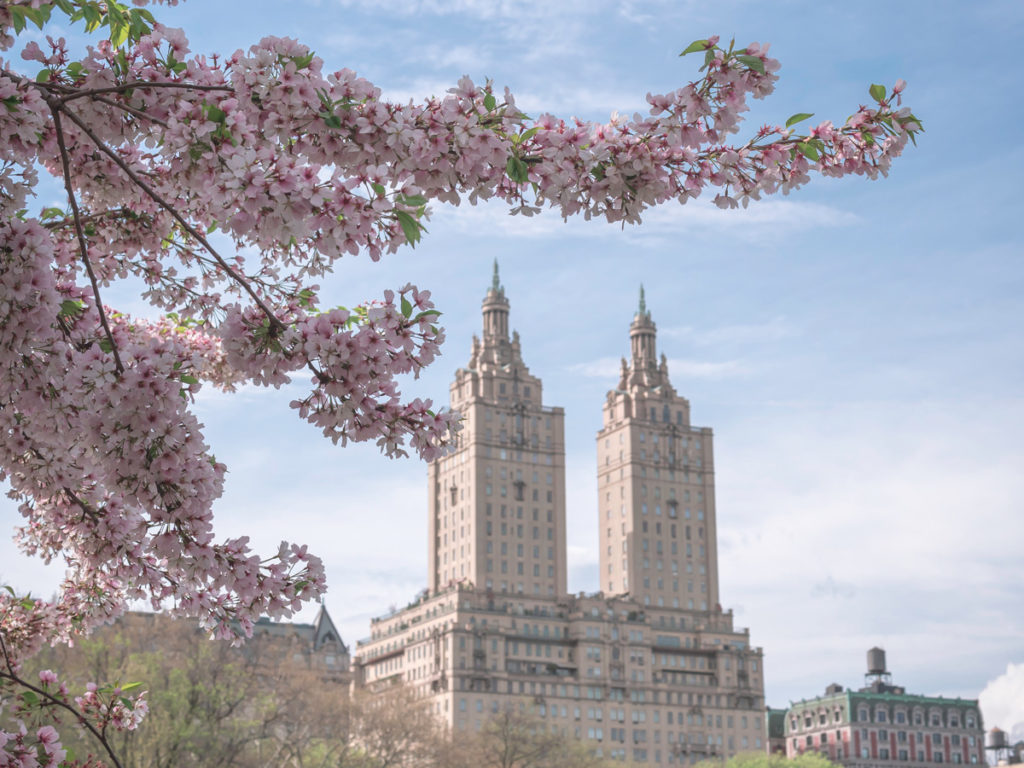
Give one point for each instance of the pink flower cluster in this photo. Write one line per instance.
(35, 742)
(170, 162)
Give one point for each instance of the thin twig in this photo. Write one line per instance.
(132, 110)
(60, 223)
(10, 675)
(142, 84)
(275, 322)
(65, 162)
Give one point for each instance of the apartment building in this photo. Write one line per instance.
(649, 668)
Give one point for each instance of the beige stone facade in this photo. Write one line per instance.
(497, 503)
(650, 668)
(656, 486)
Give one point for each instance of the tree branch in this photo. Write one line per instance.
(133, 111)
(142, 84)
(65, 163)
(155, 196)
(13, 677)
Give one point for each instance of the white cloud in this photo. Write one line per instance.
(610, 367)
(775, 329)
(865, 524)
(768, 220)
(1002, 701)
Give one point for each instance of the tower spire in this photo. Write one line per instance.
(642, 337)
(496, 285)
(495, 311)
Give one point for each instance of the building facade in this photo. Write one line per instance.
(650, 668)
(497, 502)
(882, 726)
(656, 486)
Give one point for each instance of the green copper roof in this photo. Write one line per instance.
(854, 697)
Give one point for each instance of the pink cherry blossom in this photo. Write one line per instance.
(300, 167)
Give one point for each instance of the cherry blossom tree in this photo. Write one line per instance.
(229, 185)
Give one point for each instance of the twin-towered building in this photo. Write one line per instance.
(649, 668)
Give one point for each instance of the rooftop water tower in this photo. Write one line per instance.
(877, 678)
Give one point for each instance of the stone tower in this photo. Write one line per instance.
(656, 486)
(497, 503)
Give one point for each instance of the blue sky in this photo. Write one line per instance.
(856, 346)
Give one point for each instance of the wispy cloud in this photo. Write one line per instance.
(610, 367)
(776, 329)
(830, 588)
(763, 221)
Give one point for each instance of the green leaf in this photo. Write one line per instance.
(490, 102)
(516, 170)
(39, 16)
(105, 345)
(130, 686)
(406, 307)
(426, 313)
(127, 702)
(43, 76)
(187, 379)
(868, 138)
(696, 45)
(51, 213)
(331, 120)
(877, 92)
(213, 113)
(301, 62)
(12, 102)
(527, 135)
(378, 188)
(413, 200)
(212, 227)
(798, 117)
(10, 589)
(30, 698)
(71, 308)
(118, 33)
(410, 227)
(17, 17)
(93, 17)
(75, 69)
(808, 151)
(753, 62)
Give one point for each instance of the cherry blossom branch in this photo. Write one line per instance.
(132, 110)
(158, 199)
(11, 675)
(80, 233)
(60, 223)
(142, 84)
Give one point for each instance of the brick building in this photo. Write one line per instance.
(882, 726)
